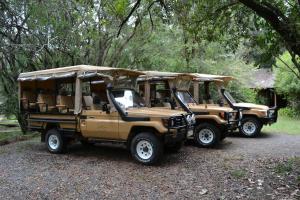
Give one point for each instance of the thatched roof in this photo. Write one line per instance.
(261, 79)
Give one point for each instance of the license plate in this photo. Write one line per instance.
(190, 133)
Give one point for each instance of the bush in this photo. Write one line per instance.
(289, 112)
(241, 93)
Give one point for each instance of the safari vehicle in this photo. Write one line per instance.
(254, 116)
(171, 90)
(94, 105)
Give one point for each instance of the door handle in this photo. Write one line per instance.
(91, 117)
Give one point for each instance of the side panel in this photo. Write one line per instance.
(98, 124)
(40, 121)
(125, 127)
(212, 117)
(257, 113)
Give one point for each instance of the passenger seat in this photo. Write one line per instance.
(65, 104)
(28, 100)
(87, 102)
(46, 102)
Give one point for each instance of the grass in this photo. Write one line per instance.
(239, 173)
(4, 136)
(10, 132)
(284, 125)
(283, 168)
(288, 166)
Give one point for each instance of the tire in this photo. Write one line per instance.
(207, 135)
(55, 142)
(223, 136)
(174, 148)
(250, 127)
(146, 148)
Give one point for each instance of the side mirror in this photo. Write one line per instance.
(106, 108)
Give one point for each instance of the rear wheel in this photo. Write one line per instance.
(55, 142)
(250, 127)
(146, 148)
(207, 135)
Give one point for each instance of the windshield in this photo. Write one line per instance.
(127, 98)
(229, 97)
(185, 97)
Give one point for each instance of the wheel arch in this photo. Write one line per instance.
(210, 121)
(252, 115)
(138, 129)
(48, 127)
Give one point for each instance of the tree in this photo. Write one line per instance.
(44, 34)
(267, 24)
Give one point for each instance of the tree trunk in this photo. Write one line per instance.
(22, 122)
(278, 21)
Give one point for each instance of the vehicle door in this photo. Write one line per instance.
(96, 122)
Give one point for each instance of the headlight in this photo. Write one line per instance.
(229, 115)
(167, 122)
(271, 113)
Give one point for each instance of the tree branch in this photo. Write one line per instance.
(227, 6)
(136, 5)
(282, 27)
(290, 68)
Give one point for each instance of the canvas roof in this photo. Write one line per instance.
(78, 70)
(213, 77)
(152, 75)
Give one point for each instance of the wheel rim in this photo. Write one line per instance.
(144, 149)
(249, 128)
(206, 136)
(53, 142)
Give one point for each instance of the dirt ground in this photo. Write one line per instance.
(267, 167)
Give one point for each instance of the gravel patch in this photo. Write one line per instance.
(240, 168)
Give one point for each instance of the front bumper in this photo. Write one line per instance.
(178, 131)
(233, 122)
(178, 135)
(272, 115)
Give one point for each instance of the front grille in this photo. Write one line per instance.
(178, 121)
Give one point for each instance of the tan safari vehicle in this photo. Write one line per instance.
(171, 90)
(254, 116)
(95, 105)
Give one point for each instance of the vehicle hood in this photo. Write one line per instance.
(251, 106)
(154, 112)
(209, 108)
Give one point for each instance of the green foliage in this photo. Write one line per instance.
(193, 36)
(285, 125)
(289, 112)
(261, 100)
(286, 166)
(239, 173)
(287, 83)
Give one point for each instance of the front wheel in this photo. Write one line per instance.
(55, 142)
(146, 148)
(250, 127)
(207, 135)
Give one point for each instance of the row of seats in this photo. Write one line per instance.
(60, 103)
